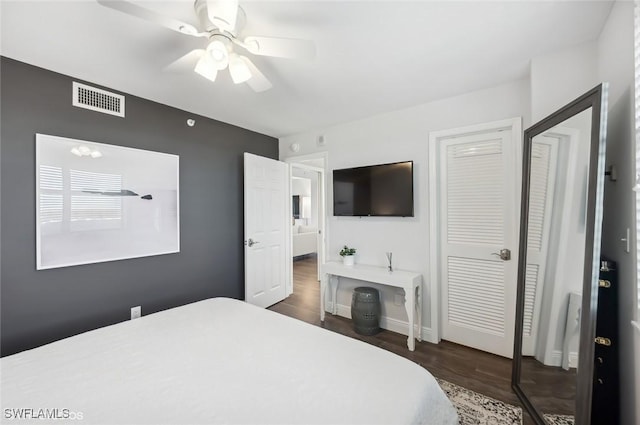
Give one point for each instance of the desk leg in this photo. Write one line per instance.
(323, 290)
(335, 280)
(410, 306)
(419, 307)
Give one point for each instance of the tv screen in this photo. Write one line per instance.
(376, 190)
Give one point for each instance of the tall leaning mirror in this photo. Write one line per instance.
(560, 227)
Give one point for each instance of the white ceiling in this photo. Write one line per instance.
(372, 56)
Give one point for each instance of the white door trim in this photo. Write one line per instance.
(297, 161)
(435, 137)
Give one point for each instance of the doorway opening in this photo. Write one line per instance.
(308, 219)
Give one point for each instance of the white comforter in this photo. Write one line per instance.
(218, 361)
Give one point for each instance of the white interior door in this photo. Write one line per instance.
(477, 185)
(267, 228)
(544, 157)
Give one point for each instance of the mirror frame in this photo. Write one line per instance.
(596, 99)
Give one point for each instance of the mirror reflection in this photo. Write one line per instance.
(555, 265)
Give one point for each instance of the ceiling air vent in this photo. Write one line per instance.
(97, 100)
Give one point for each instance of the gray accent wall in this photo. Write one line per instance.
(39, 307)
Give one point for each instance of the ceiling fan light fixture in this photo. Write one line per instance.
(238, 69)
(206, 67)
(219, 54)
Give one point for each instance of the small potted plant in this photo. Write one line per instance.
(348, 255)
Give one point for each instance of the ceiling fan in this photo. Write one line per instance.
(221, 22)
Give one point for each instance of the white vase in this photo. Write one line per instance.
(348, 260)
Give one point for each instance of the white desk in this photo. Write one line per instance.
(411, 282)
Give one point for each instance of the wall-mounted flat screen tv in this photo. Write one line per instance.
(376, 190)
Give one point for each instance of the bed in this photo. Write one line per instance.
(220, 361)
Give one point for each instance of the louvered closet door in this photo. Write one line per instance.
(544, 154)
(477, 221)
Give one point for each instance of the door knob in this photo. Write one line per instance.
(251, 242)
(504, 254)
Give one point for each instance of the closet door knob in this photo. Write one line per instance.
(504, 254)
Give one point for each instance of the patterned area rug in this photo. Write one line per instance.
(559, 419)
(475, 409)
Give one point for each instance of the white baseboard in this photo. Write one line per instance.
(556, 359)
(388, 323)
(573, 359)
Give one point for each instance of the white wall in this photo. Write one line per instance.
(400, 136)
(615, 64)
(558, 78)
(300, 186)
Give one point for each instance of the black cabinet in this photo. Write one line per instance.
(605, 407)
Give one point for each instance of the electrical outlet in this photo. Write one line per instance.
(136, 312)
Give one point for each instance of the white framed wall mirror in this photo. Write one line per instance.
(558, 265)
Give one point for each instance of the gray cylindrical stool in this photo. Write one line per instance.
(365, 310)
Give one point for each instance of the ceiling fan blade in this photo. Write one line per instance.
(258, 82)
(280, 47)
(184, 63)
(151, 16)
(223, 13)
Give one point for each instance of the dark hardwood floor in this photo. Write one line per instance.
(552, 386)
(473, 369)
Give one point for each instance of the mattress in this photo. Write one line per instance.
(218, 361)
